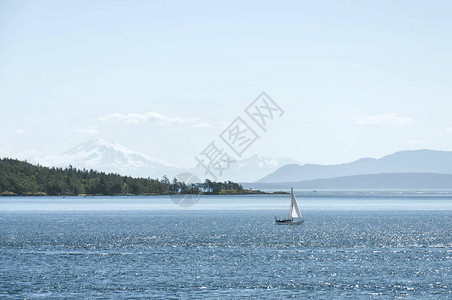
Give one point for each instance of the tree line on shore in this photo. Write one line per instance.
(22, 178)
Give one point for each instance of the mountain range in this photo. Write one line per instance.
(404, 169)
(105, 156)
(411, 161)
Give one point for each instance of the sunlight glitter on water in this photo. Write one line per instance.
(342, 201)
(212, 254)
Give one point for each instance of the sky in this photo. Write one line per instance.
(165, 78)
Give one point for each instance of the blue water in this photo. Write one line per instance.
(356, 245)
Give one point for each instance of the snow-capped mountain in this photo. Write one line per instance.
(104, 156)
(101, 155)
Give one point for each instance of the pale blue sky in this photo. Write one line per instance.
(354, 78)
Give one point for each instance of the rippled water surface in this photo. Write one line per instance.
(359, 252)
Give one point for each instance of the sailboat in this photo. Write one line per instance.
(294, 213)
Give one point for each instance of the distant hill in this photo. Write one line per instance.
(412, 161)
(22, 178)
(367, 181)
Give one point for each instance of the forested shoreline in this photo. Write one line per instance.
(22, 178)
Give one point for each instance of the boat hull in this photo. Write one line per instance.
(288, 222)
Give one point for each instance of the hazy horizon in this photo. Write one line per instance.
(35, 157)
(101, 155)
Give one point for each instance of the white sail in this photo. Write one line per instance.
(294, 213)
(294, 210)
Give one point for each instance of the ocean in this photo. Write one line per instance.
(352, 245)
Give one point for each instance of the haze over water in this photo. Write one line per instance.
(356, 244)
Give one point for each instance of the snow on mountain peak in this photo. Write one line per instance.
(97, 144)
(99, 154)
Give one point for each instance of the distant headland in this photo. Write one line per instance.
(20, 178)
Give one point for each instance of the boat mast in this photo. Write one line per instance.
(291, 204)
